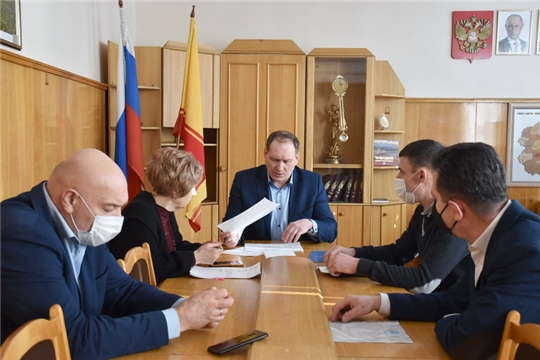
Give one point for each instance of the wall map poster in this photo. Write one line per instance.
(472, 33)
(523, 160)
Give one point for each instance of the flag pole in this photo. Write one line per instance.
(192, 15)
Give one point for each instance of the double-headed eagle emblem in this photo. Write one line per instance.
(472, 35)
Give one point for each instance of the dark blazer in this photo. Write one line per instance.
(510, 280)
(506, 46)
(143, 224)
(307, 201)
(444, 257)
(112, 316)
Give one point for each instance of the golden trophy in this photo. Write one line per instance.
(337, 118)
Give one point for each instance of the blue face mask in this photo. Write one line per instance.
(439, 221)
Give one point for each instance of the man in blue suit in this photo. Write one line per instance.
(53, 252)
(472, 203)
(303, 213)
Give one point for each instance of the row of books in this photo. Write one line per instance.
(343, 187)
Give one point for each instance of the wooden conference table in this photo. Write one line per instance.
(292, 301)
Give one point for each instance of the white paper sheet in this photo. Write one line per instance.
(275, 253)
(241, 251)
(226, 272)
(275, 247)
(248, 217)
(323, 269)
(369, 331)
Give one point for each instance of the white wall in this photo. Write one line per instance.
(415, 37)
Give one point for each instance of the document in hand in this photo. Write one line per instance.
(248, 217)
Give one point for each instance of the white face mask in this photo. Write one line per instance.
(401, 190)
(103, 230)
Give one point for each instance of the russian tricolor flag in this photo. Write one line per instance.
(128, 150)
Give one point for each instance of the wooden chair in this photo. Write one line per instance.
(36, 331)
(515, 334)
(138, 264)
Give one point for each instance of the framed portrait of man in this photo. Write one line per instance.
(513, 32)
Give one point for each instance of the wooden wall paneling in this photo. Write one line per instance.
(412, 122)
(449, 123)
(47, 114)
(16, 134)
(528, 197)
(457, 120)
(491, 125)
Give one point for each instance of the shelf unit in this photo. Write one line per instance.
(373, 89)
(389, 99)
(149, 81)
(323, 65)
(174, 59)
(160, 72)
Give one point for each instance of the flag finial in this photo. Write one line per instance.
(120, 4)
(193, 12)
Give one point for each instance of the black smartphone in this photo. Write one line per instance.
(233, 263)
(237, 342)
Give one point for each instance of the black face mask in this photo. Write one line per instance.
(439, 221)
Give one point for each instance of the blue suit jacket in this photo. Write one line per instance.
(114, 314)
(510, 280)
(307, 201)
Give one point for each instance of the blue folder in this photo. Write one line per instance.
(317, 256)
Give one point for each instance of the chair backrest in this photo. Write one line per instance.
(34, 332)
(515, 334)
(138, 264)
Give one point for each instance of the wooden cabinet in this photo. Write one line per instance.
(389, 100)
(350, 224)
(174, 59)
(323, 66)
(373, 89)
(149, 80)
(262, 90)
(386, 223)
(160, 74)
(209, 229)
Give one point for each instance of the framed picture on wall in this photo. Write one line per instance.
(538, 35)
(523, 147)
(513, 32)
(10, 23)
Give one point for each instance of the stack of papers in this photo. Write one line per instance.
(226, 272)
(270, 249)
(369, 331)
(274, 250)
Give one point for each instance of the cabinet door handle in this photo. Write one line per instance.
(341, 214)
(222, 168)
(384, 214)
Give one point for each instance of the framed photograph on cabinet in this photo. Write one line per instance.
(523, 146)
(10, 23)
(513, 32)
